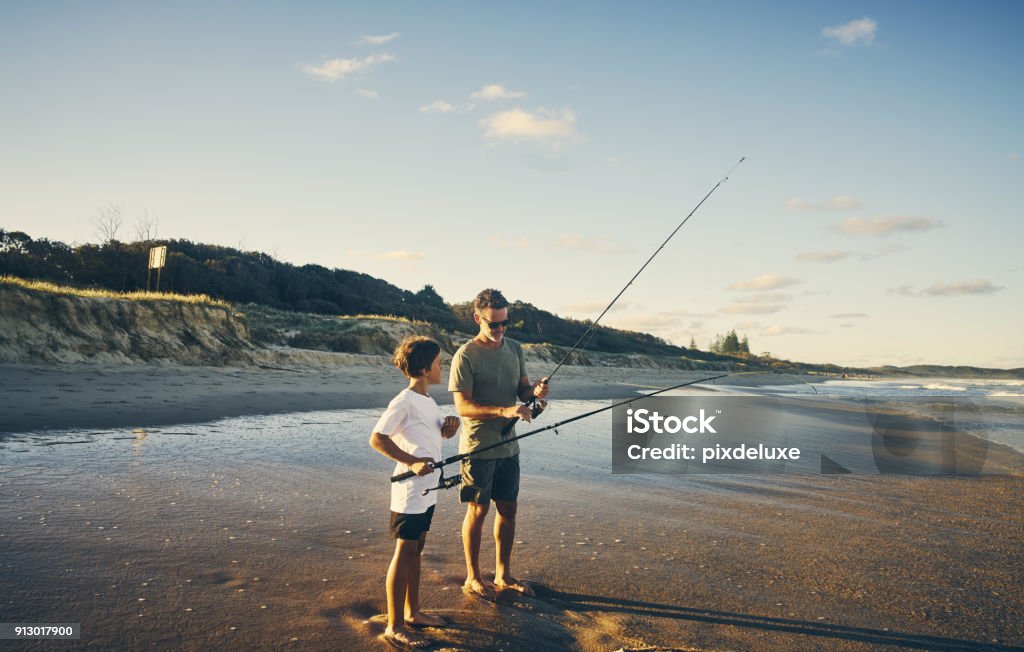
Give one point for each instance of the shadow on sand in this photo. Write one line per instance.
(582, 603)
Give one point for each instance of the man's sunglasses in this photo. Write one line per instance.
(496, 324)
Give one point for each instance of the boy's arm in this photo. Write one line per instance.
(383, 445)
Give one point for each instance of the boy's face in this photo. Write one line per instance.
(434, 374)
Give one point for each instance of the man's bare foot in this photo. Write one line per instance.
(512, 584)
(404, 640)
(420, 619)
(480, 589)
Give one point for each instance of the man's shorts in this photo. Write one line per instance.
(486, 480)
(411, 526)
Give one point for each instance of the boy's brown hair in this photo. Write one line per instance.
(415, 355)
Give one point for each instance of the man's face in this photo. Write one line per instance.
(491, 322)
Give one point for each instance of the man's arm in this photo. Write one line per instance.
(470, 409)
(527, 391)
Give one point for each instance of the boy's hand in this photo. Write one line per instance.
(424, 466)
(450, 427)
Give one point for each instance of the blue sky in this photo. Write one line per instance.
(547, 149)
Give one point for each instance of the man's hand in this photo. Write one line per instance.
(450, 427)
(424, 466)
(540, 390)
(519, 412)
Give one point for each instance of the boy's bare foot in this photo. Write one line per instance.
(480, 589)
(512, 584)
(421, 619)
(404, 640)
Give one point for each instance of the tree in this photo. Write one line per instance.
(108, 223)
(731, 343)
(693, 343)
(428, 296)
(745, 346)
(146, 227)
(715, 346)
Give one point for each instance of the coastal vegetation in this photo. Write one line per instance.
(258, 279)
(99, 293)
(336, 310)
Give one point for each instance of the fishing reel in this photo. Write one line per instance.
(443, 482)
(538, 406)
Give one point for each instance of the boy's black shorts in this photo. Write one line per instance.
(411, 526)
(486, 480)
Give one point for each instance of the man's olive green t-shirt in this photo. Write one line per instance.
(492, 377)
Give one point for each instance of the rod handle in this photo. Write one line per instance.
(403, 476)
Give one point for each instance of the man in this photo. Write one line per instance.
(488, 375)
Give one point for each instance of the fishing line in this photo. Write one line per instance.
(538, 408)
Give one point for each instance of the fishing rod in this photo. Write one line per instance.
(447, 483)
(537, 408)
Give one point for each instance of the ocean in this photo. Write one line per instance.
(989, 408)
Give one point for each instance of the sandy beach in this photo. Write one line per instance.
(190, 508)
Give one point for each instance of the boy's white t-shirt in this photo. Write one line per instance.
(413, 421)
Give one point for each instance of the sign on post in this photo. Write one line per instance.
(157, 260)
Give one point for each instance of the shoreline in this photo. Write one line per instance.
(59, 397)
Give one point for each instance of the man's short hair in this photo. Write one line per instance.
(415, 354)
(490, 298)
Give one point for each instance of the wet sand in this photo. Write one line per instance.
(270, 531)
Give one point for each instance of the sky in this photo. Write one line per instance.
(548, 149)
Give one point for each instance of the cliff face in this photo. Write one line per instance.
(41, 327)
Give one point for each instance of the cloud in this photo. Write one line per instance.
(855, 32)
(368, 94)
(884, 251)
(764, 282)
(517, 124)
(973, 286)
(493, 92)
(885, 225)
(510, 243)
(903, 291)
(960, 288)
(823, 256)
(837, 203)
(849, 315)
(438, 106)
(377, 40)
(402, 255)
(590, 245)
(773, 331)
(751, 309)
(334, 69)
(667, 325)
(768, 297)
(1015, 157)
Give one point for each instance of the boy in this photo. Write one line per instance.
(410, 432)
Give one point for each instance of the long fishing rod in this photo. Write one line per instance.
(445, 483)
(533, 400)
